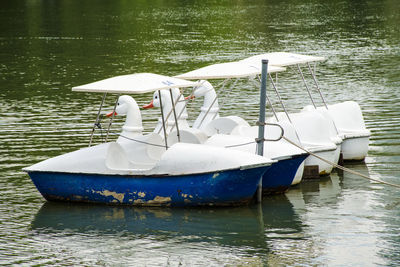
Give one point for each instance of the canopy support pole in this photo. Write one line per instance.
(176, 119)
(184, 106)
(273, 109)
(162, 118)
(305, 83)
(212, 104)
(316, 84)
(261, 120)
(112, 118)
(223, 100)
(280, 99)
(97, 119)
(170, 112)
(319, 90)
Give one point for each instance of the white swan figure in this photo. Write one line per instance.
(209, 120)
(133, 149)
(126, 105)
(210, 100)
(180, 107)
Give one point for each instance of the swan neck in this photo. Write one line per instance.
(209, 98)
(133, 122)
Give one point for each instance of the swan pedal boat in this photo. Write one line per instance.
(346, 118)
(143, 170)
(233, 131)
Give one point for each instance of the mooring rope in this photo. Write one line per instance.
(291, 142)
(244, 144)
(341, 167)
(139, 141)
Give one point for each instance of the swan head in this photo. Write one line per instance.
(203, 89)
(165, 99)
(155, 102)
(124, 104)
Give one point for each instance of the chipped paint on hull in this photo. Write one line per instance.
(233, 187)
(160, 200)
(138, 201)
(215, 175)
(157, 201)
(118, 196)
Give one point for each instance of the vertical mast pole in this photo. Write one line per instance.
(163, 122)
(261, 119)
(176, 119)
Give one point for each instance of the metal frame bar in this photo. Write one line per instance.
(97, 119)
(212, 104)
(112, 118)
(280, 99)
(174, 103)
(230, 90)
(180, 114)
(305, 83)
(176, 119)
(268, 99)
(261, 119)
(163, 122)
(316, 83)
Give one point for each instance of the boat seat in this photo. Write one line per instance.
(117, 159)
(188, 135)
(130, 154)
(347, 116)
(310, 126)
(224, 125)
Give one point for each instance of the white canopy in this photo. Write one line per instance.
(227, 70)
(134, 84)
(282, 59)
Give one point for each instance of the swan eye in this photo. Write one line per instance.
(156, 97)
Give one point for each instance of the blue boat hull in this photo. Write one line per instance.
(225, 188)
(279, 177)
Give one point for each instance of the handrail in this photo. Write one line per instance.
(271, 124)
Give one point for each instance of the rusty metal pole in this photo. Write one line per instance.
(261, 119)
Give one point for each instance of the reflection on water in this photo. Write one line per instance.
(246, 222)
(250, 229)
(352, 208)
(224, 226)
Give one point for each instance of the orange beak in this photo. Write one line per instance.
(190, 97)
(111, 113)
(150, 105)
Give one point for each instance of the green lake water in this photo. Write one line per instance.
(47, 47)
